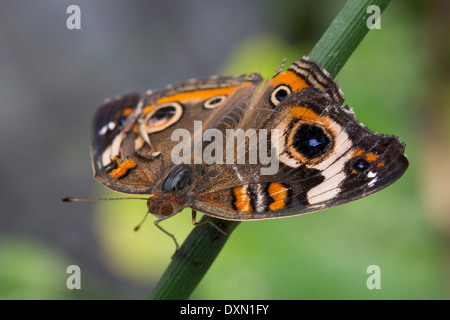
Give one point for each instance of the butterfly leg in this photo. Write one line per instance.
(195, 223)
(144, 135)
(169, 234)
(155, 153)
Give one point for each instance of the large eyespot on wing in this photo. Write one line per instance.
(307, 137)
(279, 93)
(162, 116)
(310, 141)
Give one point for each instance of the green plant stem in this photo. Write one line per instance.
(205, 242)
(344, 34)
(193, 260)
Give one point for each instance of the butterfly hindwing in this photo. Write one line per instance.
(326, 157)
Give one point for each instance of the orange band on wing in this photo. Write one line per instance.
(126, 112)
(305, 113)
(242, 202)
(358, 152)
(123, 168)
(148, 109)
(371, 157)
(200, 94)
(279, 194)
(289, 78)
(380, 164)
(203, 94)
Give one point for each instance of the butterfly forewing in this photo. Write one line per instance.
(136, 158)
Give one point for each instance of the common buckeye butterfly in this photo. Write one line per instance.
(325, 156)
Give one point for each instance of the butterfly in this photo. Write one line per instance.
(322, 156)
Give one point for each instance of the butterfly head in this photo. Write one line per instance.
(163, 205)
(167, 203)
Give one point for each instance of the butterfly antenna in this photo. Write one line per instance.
(140, 224)
(70, 199)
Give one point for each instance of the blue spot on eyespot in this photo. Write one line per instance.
(360, 165)
(314, 142)
(311, 141)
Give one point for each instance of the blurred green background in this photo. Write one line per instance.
(52, 80)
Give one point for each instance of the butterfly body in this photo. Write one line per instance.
(317, 155)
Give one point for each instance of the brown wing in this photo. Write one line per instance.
(325, 157)
(137, 155)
